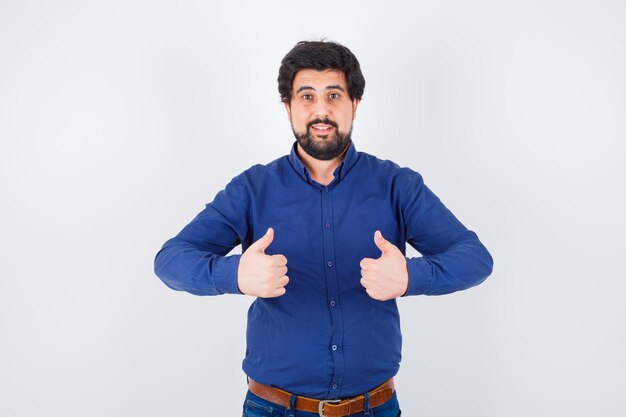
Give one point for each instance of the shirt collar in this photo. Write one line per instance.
(342, 169)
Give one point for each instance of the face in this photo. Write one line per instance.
(321, 112)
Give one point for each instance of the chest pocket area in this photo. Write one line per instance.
(291, 237)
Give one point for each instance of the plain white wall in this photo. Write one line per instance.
(120, 120)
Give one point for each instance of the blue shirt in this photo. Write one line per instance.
(325, 337)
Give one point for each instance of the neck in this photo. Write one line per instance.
(320, 171)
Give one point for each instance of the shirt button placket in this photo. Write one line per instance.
(332, 284)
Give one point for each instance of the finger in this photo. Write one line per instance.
(264, 241)
(383, 244)
(367, 263)
(366, 274)
(284, 280)
(279, 291)
(279, 260)
(374, 294)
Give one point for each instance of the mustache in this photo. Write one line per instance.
(324, 121)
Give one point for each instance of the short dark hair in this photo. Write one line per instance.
(320, 55)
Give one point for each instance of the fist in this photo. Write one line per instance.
(262, 275)
(386, 277)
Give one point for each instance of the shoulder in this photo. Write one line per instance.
(400, 176)
(261, 172)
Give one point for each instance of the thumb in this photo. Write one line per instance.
(265, 240)
(384, 245)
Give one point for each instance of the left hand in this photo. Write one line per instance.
(386, 277)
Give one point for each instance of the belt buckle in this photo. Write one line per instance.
(321, 406)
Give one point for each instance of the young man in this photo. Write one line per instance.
(323, 335)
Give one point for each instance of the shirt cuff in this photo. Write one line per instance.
(226, 276)
(420, 276)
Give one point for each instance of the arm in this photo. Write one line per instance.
(194, 260)
(453, 257)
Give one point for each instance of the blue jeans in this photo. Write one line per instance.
(255, 406)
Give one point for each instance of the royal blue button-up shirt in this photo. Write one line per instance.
(325, 337)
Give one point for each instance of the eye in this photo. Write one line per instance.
(307, 97)
(333, 95)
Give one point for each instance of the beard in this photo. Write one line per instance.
(323, 148)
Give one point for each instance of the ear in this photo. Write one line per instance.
(355, 104)
(288, 108)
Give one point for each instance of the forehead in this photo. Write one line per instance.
(319, 79)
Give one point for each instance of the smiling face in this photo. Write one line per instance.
(321, 112)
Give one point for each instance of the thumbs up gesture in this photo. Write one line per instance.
(386, 277)
(259, 274)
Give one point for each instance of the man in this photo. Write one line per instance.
(323, 233)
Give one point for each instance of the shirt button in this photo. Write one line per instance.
(332, 303)
(334, 347)
(327, 225)
(330, 264)
(334, 386)
(325, 188)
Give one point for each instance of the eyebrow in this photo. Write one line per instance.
(329, 87)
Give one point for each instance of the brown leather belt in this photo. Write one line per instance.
(325, 408)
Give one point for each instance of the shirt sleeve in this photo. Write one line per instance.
(453, 258)
(195, 260)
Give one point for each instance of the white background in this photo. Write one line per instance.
(120, 120)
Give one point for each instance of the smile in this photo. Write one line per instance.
(322, 127)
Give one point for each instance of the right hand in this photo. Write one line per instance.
(259, 274)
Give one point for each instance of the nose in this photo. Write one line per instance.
(321, 109)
